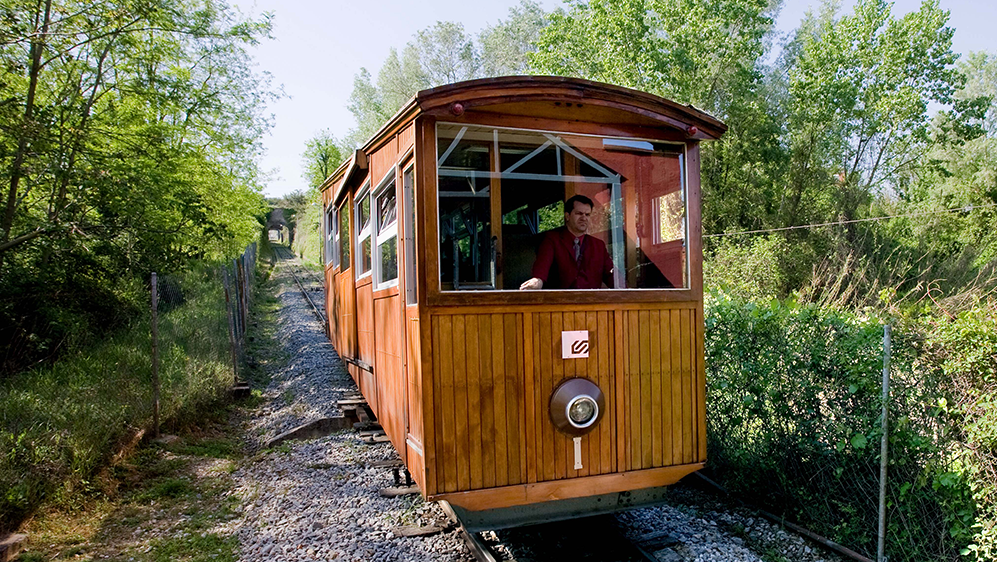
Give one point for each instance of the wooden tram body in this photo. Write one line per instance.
(430, 229)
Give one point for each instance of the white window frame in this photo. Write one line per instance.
(408, 211)
(363, 233)
(389, 182)
(331, 241)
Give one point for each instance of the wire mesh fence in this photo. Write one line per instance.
(795, 424)
(174, 361)
(224, 320)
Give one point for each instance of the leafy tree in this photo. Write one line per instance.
(505, 46)
(705, 52)
(860, 91)
(367, 107)
(441, 54)
(129, 134)
(323, 154)
(446, 53)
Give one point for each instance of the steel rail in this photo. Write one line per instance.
(318, 312)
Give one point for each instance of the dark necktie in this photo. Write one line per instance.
(578, 252)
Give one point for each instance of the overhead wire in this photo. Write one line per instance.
(965, 208)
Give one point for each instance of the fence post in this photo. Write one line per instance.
(155, 357)
(884, 446)
(231, 324)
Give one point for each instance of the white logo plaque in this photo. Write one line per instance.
(574, 344)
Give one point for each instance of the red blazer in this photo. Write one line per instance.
(555, 264)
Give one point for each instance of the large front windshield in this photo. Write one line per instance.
(501, 204)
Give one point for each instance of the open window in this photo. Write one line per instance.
(363, 229)
(501, 190)
(344, 234)
(331, 246)
(386, 234)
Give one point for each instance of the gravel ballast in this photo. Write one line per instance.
(318, 499)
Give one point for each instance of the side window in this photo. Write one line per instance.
(386, 236)
(408, 193)
(344, 234)
(362, 215)
(331, 237)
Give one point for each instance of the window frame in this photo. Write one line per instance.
(409, 220)
(387, 184)
(331, 241)
(343, 212)
(682, 149)
(362, 233)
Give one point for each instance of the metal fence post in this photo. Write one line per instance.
(231, 325)
(884, 446)
(155, 357)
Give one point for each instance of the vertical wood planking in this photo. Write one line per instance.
(474, 403)
(633, 394)
(513, 396)
(494, 373)
(607, 368)
(488, 460)
(687, 390)
(675, 321)
(621, 425)
(646, 418)
(665, 352)
(701, 381)
(460, 402)
(557, 374)
(498, 368)
(546, 433)
(654, 396)
(447, 429)
(529, 391)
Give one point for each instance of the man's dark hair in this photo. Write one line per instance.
(569, 205)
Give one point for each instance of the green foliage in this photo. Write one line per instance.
(59, 424)
(965, 349)
(129, 134)
(323, 154)
(753, 272)
(794, 423)
(308, 233)
(196, 547)
(441, 54)
(505, 46)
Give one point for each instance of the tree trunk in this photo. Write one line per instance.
(37, 46)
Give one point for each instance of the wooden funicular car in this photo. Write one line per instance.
(517, 406)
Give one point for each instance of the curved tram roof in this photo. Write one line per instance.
(548, 97)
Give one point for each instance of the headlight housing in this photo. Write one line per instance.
(576, 406)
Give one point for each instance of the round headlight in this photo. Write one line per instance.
(582, 411)
(576, 406)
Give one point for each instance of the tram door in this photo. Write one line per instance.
(345, 290)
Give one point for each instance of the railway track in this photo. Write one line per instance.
(598, 538)
(603, 538)
(288, 257)
(589, 539)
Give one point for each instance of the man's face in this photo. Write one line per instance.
(577, 220)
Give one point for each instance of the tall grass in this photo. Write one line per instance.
(60, 424)
(308, 235)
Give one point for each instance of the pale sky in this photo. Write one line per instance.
(320, 45)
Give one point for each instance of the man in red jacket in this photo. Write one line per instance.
(570, 259)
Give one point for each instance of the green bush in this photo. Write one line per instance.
(753, 271)
(794, 425)
(308, 233)
(61, 423)
(965, 350)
